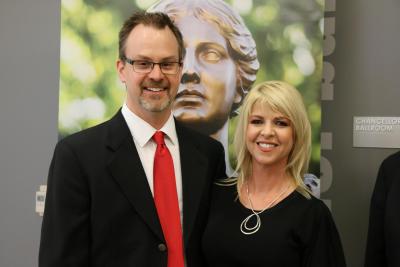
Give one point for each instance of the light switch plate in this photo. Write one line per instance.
(40, 199)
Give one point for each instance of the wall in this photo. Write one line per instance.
(29, 78)
(365, 64)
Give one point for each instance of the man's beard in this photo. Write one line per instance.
(154, 107)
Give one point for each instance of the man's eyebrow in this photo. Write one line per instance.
(146, 58)
(171, 58)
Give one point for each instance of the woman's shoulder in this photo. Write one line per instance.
(311, 205)
(224, 188)
(225, 185)
(315, 217)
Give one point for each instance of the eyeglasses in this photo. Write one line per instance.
(144, 66)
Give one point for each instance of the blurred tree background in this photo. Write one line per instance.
(288, 35)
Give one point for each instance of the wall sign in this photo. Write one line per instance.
(376, 132)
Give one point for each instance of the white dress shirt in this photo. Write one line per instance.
(142, 133)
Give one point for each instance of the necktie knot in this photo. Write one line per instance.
(158, 137)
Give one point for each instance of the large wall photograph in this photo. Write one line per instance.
(230, 46)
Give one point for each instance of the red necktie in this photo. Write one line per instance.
(166, 200)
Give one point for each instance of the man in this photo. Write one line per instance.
(383, 243)
(219, 68)
(102, 206)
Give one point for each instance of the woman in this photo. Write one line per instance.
(267, 216)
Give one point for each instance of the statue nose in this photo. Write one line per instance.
(190, 73)
(190, 77)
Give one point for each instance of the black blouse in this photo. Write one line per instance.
(295, 232)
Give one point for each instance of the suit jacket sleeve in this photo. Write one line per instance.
(65, 235)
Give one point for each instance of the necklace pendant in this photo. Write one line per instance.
(249, 230)
(246, 229)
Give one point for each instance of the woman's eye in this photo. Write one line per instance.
(282, 123)
(256, 121)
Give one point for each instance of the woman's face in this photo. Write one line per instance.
(208, 85)
(269, 137)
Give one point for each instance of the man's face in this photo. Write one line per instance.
(208, 85)
(150, 94)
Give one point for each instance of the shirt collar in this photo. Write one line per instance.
(142, 131)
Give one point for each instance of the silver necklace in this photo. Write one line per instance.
(249, 230)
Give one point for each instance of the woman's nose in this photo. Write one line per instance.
(267, 130)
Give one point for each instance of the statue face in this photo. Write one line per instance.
(208, 85)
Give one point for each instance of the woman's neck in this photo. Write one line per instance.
(267, 179)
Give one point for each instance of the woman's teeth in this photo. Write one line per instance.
(264, 145)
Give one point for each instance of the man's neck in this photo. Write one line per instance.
(155, 119)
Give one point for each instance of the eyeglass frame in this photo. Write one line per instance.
(132, 62)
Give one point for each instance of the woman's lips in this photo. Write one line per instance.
(266, 146)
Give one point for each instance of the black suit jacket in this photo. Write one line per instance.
(99, 209)
(383, 245)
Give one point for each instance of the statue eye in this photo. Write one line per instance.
(211, 55)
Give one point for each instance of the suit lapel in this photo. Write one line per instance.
(126, 169)
(194, 168)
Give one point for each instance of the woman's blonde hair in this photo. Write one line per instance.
(280, 97)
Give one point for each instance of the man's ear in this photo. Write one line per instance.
(121, 70)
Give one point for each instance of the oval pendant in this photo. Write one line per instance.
(249, 230)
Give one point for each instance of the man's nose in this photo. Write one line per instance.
(156, 73)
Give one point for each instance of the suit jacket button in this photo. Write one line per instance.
(162, 247)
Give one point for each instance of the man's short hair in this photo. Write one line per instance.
(157, 20)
